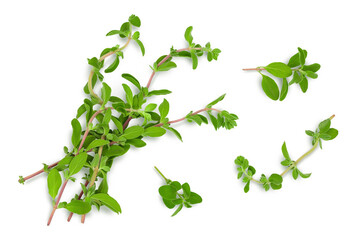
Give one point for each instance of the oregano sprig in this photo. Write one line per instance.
(175, 194)
(97, 144)
(295, 67)
(246, 172)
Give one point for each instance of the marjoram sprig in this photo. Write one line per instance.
(246, 172)
(295, 67)
(97, 145)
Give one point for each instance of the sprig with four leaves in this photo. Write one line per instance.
(246, 172)
(295, 67)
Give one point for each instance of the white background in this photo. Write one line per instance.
(44, 47)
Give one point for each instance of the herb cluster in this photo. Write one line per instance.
(295, 68)
(97, 145)
(246, 172)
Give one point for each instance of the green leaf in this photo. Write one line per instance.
(103, 187)
(168, 203)
(310, 133)
(247, 187)
(295, 60)
(136, 143)
(186, 190)
(141, 45)
(177, 210)
(167, 192)
(166, 66)
(54, 182)
(313, 67)
(159, 92)
(125, 30)
(132, 79)
(135, 20)
(284, 89)
(81, 111)
(113, 32)
(194, 59)
(114, 65)
(154, 132)
(78, 207)
(77, 163)
(304, 175)
(304, 84)
(173, 130)
(117, 123)
(296, 78)
(188, 36)
(275, 179)
(279, 69)
(286, 162)
(285, 151)
(311, 74)
(295, 173)
(97, 143)
(164, 109)
(324, 126)
(302, 56)
(194, 198)
(75, 138)
(151, 107)
(329, 135)
(133, 132)
(115, 151)
(270, 87)
(176, 185)
(129, 94)
(105, 93)
(216, 101)
(108, 201)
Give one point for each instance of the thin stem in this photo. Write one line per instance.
(166, 180)
(38, 172)
(126, 123)
(182, 119)
(302, 157)
(57, 202)
(254, 69)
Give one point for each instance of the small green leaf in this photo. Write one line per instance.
(284, 89)
(304, 175)
(103, 187)
(54, 182)
(279, 69)
(177, 210)
(141, 45)
(77, 163)
(136, 143)
(194, 198)
(97, 143)
(311, 74)
(113, 32)
(188, 36)
(135, 20)
(115, 151)
(167, 192)
(216, 101)
(247, 187)
(132, 79)
(275, 179)
(310, 133)
(159, 92)
(129, 94)
(108, 201)
(117, 123)
(186, 190)
(125, 30)
(285, 151)
(105, 93)
(313, 67)
(302, 56)
(296, 78)
(151, 107)
(114, 65)
(81, 111)
(133, 132)
(329, 135)
(166, 66)
(173, 130)
(78, 207)
(295, 173)
(324, 126)
(194, 59)
(168, 203)
(270, 87)
(176, 185)
(295, 60)
(75, 138)
(304, 84)
(154, 132)
(164, 109)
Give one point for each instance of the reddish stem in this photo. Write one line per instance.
(126, 123)
(254, 69)
(57, 202)
(38, 172)
(80, 195)
(182, 119)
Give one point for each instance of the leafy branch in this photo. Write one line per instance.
(274, 181)
(295, 67)
(97, 145)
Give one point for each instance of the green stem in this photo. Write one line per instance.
(301, 158)
(166, 180)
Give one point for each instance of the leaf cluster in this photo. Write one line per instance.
(295, 69)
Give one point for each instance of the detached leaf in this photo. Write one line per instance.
(75, 138)
(279, 69)
(78, 207)
(270, 87)
(54, 182)
(108, 201)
